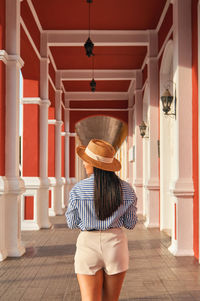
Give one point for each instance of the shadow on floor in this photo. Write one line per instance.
(46, 251)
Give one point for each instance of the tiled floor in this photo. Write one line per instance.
(46, 271)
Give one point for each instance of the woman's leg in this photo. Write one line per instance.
(112, 286)
(91, 286)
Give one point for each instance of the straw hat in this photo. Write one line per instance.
(100, 154)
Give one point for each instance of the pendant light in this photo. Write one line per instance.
(89, 45)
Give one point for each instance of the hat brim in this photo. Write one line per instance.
(114, 166)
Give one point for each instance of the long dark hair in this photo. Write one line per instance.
(107, 193)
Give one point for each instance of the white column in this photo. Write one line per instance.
(15, 185)
(152, 217)
(130, 135)
(138, 183)
(57, 189)
(69, 183)
(3, 251)
(43, 191)
(130, 145)
(182, 190)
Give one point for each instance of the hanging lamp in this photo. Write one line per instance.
(93, 83)
(89, 45)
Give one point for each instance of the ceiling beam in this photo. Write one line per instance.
(98, 74)
(99, 37)
(78, 96)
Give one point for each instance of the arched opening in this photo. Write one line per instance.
(167, 151)
(107, 128)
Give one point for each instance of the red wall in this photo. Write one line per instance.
(30, 23)
(195, 125)
(31, 140)
(31, 68)
(28, 207)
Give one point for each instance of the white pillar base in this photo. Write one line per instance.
(35, 189)
(56, 204)
(3, 251)
(179, 252)
(43, 204)
(182, 232)
(32, 185)
(3, 254)
(14, 247)
(16, 252)
(139, 192)
(63, 194)
(152, 212)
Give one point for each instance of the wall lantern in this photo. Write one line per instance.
(167, 100)
(89, 45)
(143, 129)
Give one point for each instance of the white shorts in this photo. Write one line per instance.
(105, 249)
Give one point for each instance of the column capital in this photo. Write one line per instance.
(31, 100)
(183, 188)
(10, 58)
(14, 185)
(45, 59)
(3, 185)
(151, 59)
(55, 122)
(45, 102)
(138, 91)
(70, 134)
(59, 91)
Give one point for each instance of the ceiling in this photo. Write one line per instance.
(111, 23)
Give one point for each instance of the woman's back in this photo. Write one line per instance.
(82, 202)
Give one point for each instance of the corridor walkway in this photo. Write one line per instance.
(46, 271)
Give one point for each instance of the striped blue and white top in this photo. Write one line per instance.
(81, 212)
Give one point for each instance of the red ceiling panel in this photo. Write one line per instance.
(30, 23)
(112, 14)
(100, 104)
(106, 86)
(165, 27)
(105, 57)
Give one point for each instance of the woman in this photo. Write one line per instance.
(100, 206)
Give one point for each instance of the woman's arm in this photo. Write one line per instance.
(71, 214)
(130, 217)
